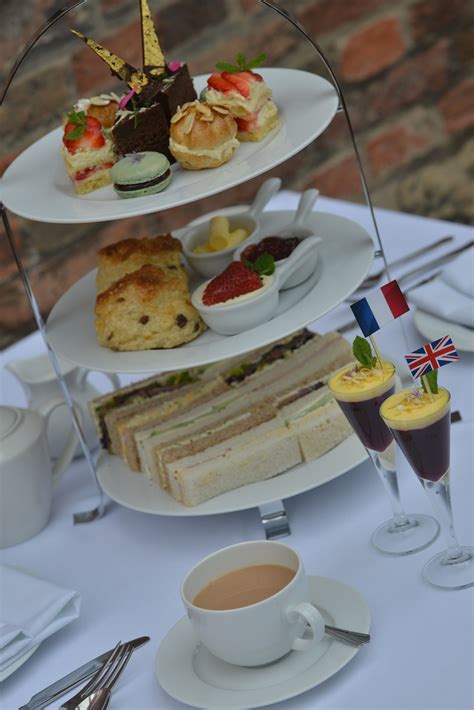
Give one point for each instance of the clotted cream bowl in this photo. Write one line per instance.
(213, 263)
(254, 308)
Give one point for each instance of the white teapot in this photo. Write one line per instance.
(41, 386)
(27, 474)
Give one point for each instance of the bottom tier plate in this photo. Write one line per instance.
(133, 490)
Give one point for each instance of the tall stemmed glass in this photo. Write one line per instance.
(421, 426)
(360, 393)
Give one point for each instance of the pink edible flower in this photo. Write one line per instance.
(175, 66)
(126, 99)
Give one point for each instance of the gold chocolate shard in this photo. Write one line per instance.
(135, 78)
(152, 52)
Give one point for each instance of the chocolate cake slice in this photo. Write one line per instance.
(145, 129)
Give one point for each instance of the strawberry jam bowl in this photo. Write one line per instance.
(279, 247)
(199, 233)
(240, 299)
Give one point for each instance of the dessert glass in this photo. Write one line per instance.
(360, 393)
(421, 427)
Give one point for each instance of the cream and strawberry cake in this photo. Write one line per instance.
(246, 95)
(87, 152)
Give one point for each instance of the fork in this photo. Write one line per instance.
(105, 678)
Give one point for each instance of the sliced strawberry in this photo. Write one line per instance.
(216, 81)
(91, 138)
(236, 280)
(242, 81)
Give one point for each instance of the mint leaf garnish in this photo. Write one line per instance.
(363, 352)
(432, 378)
(79, 120)
(242, 63)
(264, 265)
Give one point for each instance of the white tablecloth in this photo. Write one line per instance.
(128, 566)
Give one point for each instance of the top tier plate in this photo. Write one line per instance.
(37, 187)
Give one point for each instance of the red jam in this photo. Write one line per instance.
(278, 247)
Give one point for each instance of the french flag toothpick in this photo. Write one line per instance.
(379, 308)
(432, 356)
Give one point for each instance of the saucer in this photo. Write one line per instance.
(189, 673)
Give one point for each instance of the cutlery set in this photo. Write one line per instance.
(104, 671)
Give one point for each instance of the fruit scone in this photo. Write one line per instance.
(88, 152)
(146, 309)
(246, 95)
(128, 255)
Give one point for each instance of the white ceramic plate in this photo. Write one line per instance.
(180, 667)
(133, 490)
(8, 670)
(346, 254)
(37, 187)
(432, 327)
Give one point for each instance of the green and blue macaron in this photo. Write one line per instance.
(139, 174)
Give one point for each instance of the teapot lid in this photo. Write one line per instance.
(10, 419)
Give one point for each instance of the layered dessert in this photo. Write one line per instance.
(88, 152)
(237, 283)
(420, 424)
(360, 391)
(246, 95)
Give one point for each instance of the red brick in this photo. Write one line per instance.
(463, 45)
(337, 179)
(419, 76)
(250, 5)
(370, 50)
(7, 160)
(182, 21)
(457, 106)
(321, 17)
(91, 73)
(435, 16)
(399, 145)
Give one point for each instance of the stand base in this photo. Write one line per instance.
(446, 573)
(420, 532)
(274, 520)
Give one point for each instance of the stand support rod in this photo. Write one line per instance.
(98, 511)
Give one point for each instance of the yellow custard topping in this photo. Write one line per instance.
(355, 383)
(414, 408)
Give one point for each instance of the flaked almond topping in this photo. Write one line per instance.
(221, 109)
(188, 123)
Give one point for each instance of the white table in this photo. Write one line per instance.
(128, 566)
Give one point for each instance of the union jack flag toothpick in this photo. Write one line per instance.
(431, 356)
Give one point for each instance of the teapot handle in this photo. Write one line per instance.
(114, 380)
(70, 446)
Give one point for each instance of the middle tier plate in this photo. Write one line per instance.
(346, 255)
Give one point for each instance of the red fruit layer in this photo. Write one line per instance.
(83, 174)
(278, 247)
(236, 280)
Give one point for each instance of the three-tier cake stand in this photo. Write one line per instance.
(308, 103)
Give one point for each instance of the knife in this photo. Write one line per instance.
(55, 690)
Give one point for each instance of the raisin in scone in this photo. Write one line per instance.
(128, 255)
(149, 308)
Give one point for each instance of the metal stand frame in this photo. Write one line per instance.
(273, 515)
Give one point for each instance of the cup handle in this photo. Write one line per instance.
(113, 379)
(313, 617)
(70, 446)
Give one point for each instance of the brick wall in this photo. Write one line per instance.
(406, 68)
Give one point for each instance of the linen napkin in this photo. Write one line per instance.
(31, 609)
(451, 295)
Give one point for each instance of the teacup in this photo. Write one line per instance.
(261, 632)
